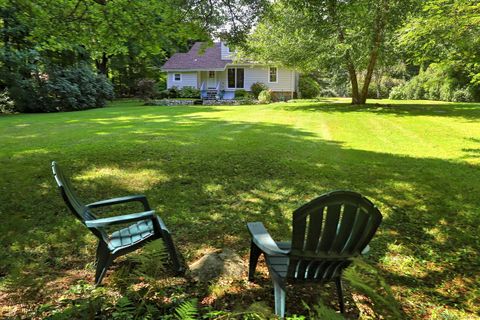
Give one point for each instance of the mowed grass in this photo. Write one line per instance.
(209, 170)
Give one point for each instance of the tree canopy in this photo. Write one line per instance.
(445, 30)
(330, 34)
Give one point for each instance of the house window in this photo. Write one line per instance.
(177, 77)
(211, 74)
(272, 74)
(235, 78)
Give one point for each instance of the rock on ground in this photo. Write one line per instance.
(224, 263)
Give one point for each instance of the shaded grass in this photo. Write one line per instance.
(209, 170)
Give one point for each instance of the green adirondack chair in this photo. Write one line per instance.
(327, 234)
(145, 226)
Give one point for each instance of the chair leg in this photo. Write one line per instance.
(341, 303)
(255, 253)
(279, 294)
(177, 265)
(104, 260)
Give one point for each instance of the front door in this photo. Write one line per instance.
(211, 81)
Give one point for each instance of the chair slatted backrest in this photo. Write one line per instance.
(71, 200)
(328, 232)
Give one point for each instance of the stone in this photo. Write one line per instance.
(171, 102)
(221, 102)
(224, 263)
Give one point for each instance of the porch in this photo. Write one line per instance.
(220, 85)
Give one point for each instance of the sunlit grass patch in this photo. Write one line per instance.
(131, 180)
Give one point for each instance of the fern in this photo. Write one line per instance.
(365, 278)
(187, 310)
(124, 309)
(323, 312)
(320, 311)
(151, 260)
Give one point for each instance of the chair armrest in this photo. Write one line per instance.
(140, 198)
(263, 240)
(366, 250)
(110, 221)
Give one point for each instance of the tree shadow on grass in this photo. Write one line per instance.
(207, 177)
(469, 111)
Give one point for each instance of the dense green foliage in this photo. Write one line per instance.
(374, 45)
(330, 35)
(173, 92)
(438, 82)
(265, 96)
(258, 87)
(71, 88)
(308, 87)
(444, 39)
(147, 89)
(75, 88)
(6, 103)
(189, 92)
(243, 94)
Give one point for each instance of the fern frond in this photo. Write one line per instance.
(366, 279)
(187, 310)
(124, 309)
(151, 260)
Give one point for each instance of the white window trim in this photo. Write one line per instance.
(235, 88)
(175, 80)
(269, 68)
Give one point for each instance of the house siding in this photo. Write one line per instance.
(225, 52)
(188, 79)
(285, 78)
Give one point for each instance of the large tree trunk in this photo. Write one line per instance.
(371, 66)
(352, 73)
(354, 82)
(102, 64)
(380, 19)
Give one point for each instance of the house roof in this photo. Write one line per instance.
(197, 59)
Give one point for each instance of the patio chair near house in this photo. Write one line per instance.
(142, 227)
(328, 233)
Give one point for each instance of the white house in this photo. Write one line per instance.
(213, 70)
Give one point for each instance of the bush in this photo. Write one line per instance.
(173, 92)
(6, 104)
(265, 96)
(105, 90)
(438, 82)
(189, 92)
(242, 94)
(463, 95)
(164, 94)
(25, 94)
(76, 88)
(258, 87)
(397, 93)
(147, 89)
(308, 87)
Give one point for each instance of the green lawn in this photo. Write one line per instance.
(209, 170)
